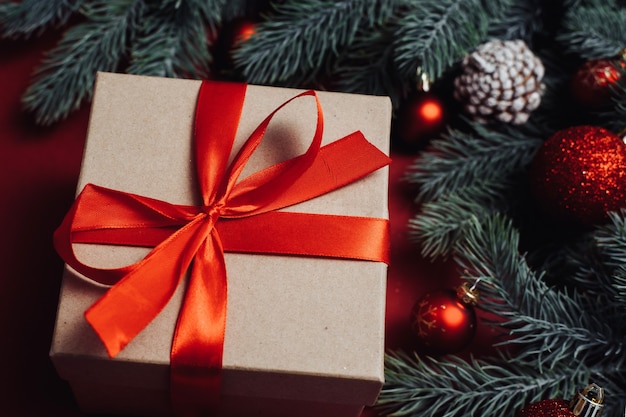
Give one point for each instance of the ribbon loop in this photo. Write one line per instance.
(235, 216)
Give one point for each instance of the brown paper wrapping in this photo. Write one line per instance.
(304, 335)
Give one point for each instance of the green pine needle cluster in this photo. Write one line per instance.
(556, 294)
(450, 386)
(167, 38)
(32, 17)
(293, 45)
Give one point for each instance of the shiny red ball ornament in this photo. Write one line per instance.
(579, 174)
(242, 31)
(445, 321)
(230, 36)
(420, 117)
(591, 84)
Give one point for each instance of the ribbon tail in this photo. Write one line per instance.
(197, 349)
(131, 304)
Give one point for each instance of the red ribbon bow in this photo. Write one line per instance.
(235, 216)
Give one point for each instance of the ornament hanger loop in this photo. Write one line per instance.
(423, 81)
(468, 295)
(588, 402)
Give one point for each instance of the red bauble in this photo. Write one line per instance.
(420, 117)
(547, 408)
(445, 321)
(241, 31)
(230, 36)
(579, 174)
(588, 402)
(591, 84)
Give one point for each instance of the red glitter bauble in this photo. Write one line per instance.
(442, 321)
(579, 174)
(420, 117)
(547, 408)
(591, 84)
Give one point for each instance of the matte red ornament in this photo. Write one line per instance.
(445, 321)
(420, 117)
(579, 174)
(591, 84)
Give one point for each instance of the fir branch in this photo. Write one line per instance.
(172, 40)
(367, 66)
(576, 263)
(593, 32)
(425, 386)
(550, 326)
(441, 223)
(435, 35)
(611, 240)
(522, 20)
(65, 78)
(294, 42)
(31, 17)
(461, 159)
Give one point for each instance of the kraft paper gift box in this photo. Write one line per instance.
(304, 335)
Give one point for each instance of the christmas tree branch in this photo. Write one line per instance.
(461, 159)
(65, 78)
(441, 222)
(451, 386)
(436, 35)
(611, 240)
(550, 326)
(31, 17)
(172, 39)
(594, 32)
(300, 35)
(367, 66)
(521, 20)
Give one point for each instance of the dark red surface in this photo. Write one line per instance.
(38, 173)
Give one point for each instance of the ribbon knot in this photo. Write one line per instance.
(191, 241)
(213, 212)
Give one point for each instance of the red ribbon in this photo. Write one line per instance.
(235, 216)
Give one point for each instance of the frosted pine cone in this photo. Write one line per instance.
(501, 80)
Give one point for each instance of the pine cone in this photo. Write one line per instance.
(501, 80)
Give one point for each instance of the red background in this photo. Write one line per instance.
(38, 173)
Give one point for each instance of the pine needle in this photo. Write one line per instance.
(172, 41)
(297, 39)
(436, 35)
(594, 32)
(32, 17)
(66, 77)
(451, 386)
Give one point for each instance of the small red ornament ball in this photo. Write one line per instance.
(443, 322)
(230, 36)
(591, 84)
(420, 117)
(547, 408)
(579, 174)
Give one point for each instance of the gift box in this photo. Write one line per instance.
(304, 335)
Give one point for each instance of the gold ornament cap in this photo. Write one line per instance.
(588, 402)
(468, 295)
